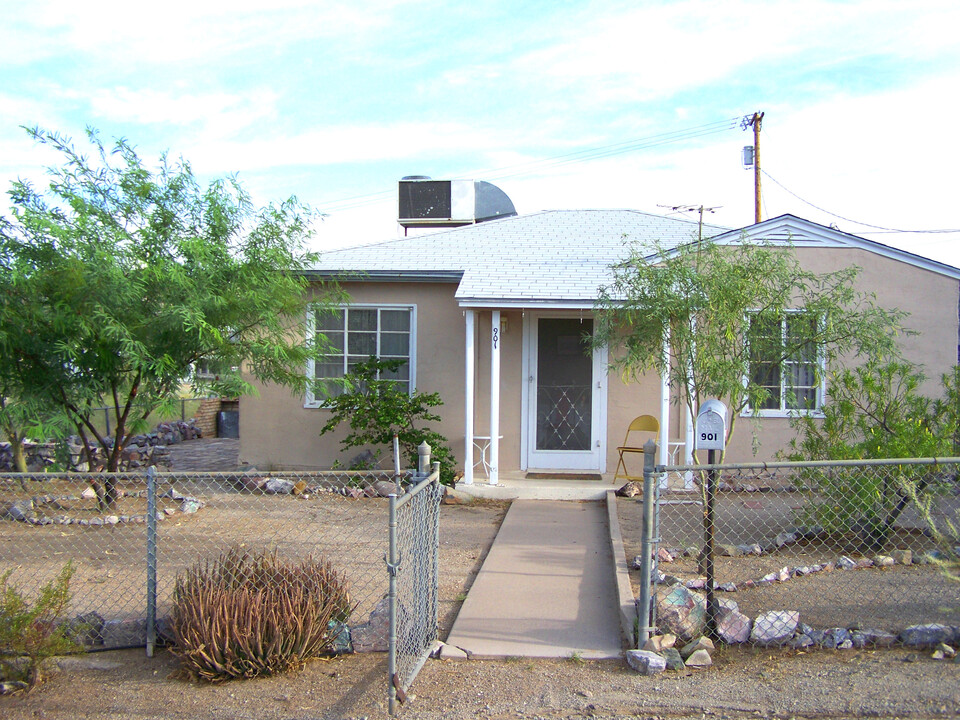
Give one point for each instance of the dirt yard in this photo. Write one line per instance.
(743, 682)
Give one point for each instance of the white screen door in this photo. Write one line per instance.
(563, 402)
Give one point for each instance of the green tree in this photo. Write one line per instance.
(376, 409)
(22, 419)
(876, 411)
(718, 311)
(117, 279)
(734, 323)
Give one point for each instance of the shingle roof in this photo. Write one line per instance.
(555, 256)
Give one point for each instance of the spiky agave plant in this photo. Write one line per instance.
(245, 615)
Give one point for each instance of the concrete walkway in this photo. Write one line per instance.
(546, 588)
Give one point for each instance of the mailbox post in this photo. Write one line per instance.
(710, 436)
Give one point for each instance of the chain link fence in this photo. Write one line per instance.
(830, 554)
(414, 582)
(124, 576)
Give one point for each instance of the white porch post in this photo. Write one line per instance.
(688, 444)
(494, 397)
(665, 410)
(468, 385)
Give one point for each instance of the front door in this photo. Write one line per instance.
(564, 396)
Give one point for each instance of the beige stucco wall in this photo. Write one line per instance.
(277, 431)
(931, 299)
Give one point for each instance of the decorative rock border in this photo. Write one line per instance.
(29, 510)
(782, 628)
(682, 613)
(285, 486)
(897, 557)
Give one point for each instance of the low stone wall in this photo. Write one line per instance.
(142, 450)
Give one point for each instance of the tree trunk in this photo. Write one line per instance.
(19, 457)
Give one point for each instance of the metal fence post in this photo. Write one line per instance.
(423, 459)
(646, 548)
(435, 556)
(709, 542)
(151, 559)
(396, 458)
(392, 600)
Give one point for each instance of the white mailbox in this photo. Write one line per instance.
(711, 425)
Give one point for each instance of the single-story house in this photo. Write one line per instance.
(490, 316)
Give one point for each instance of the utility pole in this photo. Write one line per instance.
(754, 121)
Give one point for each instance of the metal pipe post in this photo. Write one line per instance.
(423, 460)
(710, 532)
(151, 560)
(646, 548)
(396, 458)
(392, 600)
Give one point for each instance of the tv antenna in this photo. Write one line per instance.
(700, 209)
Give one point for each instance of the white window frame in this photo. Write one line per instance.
(783, 412)
(310, 399)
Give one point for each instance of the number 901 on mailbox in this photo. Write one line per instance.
(711, 426)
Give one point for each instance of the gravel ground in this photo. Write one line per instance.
(742, 683)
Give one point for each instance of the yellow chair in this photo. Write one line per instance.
(642, 424)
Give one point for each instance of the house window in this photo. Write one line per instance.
(355, 333)
(785, 362)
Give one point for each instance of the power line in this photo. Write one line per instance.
(579, 156)
(846, 219)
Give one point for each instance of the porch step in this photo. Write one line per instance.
(537, 489)
(553, 475)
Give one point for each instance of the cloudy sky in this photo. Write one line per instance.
(562, 104)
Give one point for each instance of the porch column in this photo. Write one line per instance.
(665, 410)
(688, 446)
(494, 397)
(468, 386)
(688, 440)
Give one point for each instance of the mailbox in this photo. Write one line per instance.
(711, 426)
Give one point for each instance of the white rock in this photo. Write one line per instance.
(646, 662)
(700, 658)
(278, 486)
(733, 627)
(452, 652)
(775, 627)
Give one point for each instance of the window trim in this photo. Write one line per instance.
(821, 387)
(310, 400)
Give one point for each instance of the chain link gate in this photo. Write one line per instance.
(413, 566)
(830, 554)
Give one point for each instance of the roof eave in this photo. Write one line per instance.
(436, 276)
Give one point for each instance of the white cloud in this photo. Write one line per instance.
(179, 30)
(650, 52)
(361, 143)
(224, 111)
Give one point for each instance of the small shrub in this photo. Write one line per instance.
(30, 634)
(876, 411)
(376, 409)
(244, 615)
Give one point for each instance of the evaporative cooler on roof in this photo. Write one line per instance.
(450, 203)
